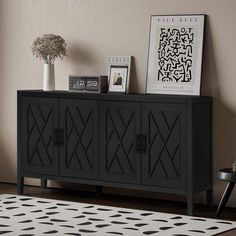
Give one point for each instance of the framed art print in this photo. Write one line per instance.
(118, 78)
(175, 54)
(119, 68)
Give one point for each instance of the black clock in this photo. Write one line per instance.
(93, 84)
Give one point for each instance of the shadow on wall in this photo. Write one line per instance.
(1, 66)
(133, 78)
(79, 56)
(224, 119)
(224, 145)
(5, 163)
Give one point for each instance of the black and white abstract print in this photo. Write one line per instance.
(175, 54)
(26, 216)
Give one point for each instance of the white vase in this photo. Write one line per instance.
(48, 77)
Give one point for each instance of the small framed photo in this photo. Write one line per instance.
(119, 73)
(175, 54)
(118, 78)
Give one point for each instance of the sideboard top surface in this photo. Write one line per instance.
(117, 96)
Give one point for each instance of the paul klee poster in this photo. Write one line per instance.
(175, 54)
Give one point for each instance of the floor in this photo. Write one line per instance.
(123, 201)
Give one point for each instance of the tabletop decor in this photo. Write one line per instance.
(119, 73)
(48, 48)
(88, 84)
(175, 54)
(27, 215)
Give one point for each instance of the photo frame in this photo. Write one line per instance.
(175, 54)
(118, 78)
(119, 73)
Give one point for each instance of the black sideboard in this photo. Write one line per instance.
(157, 143)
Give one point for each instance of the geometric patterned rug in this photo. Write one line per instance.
(26, 216)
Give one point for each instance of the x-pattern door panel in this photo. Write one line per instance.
(163, 164)
(120, 124)
(39, 120)
(79, 152)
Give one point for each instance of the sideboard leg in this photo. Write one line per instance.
(190, 203)
(20, 185)
(98, 191)
(44, 183)
(209, 196)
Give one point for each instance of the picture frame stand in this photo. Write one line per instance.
(119, 68)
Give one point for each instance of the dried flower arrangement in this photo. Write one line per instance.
(49, 47)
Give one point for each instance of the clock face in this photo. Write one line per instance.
(77, 84)
(92, 84)
(84, 84)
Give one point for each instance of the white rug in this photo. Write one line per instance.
(26, 216)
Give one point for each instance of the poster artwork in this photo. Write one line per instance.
(175, 54)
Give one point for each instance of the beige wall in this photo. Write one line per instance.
(94, 29)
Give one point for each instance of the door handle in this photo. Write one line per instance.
(55, 137)
(58, 137)
(61, 137)
(144, 143)
(138, 144)
(141, 145)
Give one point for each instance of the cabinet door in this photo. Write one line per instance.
(39, 118)
(79, 150)
(119, 126)
(164, 162)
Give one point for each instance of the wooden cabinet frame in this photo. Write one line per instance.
(155, 143)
